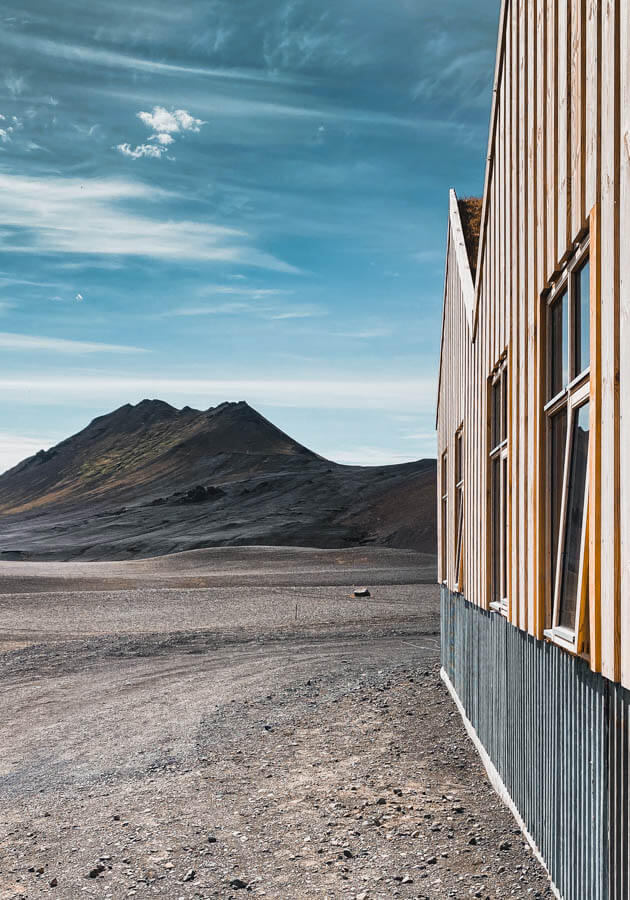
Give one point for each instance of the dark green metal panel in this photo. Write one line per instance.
(558, 735)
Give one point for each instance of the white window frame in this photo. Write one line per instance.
(458, 507)
(573, 396)
(499, 451)
(444, 539)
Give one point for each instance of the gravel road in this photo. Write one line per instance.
(252, 733)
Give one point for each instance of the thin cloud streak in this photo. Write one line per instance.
(255, 293)
(366, 334)
(84, 54)
(10, 341)
(217, 106)
(401, 394)
(225, 105)
(236, 308)
(67, 215)
(369, 456)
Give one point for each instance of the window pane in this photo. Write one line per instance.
(557, 446)
(458, 457)
(575, 517)
(504, 403)
(558, 346)
(444, 538)
(582, 319)
(495, 412)
(504, 507)
(459, 518)
(444, 522)
(496, 528)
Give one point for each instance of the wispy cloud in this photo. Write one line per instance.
(10, 341)
(84, 54)
(68, 215)
(265, 303)
(15, 84)
(86, 130)
(297, 314)
(465, 79)
(366, 334)
(420, 436)
(367, 456)
(16, 447)
(231, 308)
(243, 307)
(210, 290)
(10, 281)
(399, 394)
(428, 256)
(222, 105)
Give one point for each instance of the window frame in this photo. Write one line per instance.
(444, 517)
(499, 451)
(574, 395)
(458, 509)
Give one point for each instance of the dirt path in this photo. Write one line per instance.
(313, 758)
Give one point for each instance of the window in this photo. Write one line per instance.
(459, 511)
(567, 411)
(444, 517)
(499, 487)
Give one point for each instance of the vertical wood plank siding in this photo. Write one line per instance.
(558, 736)
(624, 338)
(558, 158)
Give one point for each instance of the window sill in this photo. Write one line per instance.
(562, 637)
(499, 606)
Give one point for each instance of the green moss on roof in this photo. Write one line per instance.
(470, 215)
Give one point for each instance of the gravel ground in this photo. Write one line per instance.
(204, 742)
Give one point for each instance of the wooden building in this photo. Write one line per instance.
(534, 440)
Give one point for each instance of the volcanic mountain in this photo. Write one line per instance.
(150, 479)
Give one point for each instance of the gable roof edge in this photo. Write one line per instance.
(494, 114)
(439, 384)
(455, 236)
(463, 262)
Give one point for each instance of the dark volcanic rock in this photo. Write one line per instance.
(149, 479)
(200, 494)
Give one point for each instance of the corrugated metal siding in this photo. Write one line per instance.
(558, 735)
(619, 764)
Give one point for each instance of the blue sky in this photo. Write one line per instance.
(225, 200)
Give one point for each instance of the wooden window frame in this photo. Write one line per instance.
(458, 509)
(499, 450)
(444, 517)
(575, 394)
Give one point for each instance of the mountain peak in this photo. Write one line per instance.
(130, 417)
(125, 451)
(149, 478)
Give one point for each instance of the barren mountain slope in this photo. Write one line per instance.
(150, 479)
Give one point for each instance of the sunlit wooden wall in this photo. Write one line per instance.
(558, 164)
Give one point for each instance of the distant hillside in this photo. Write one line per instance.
(151, 479)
